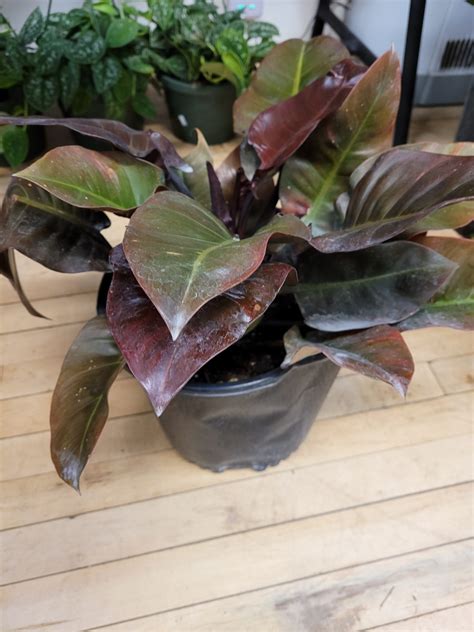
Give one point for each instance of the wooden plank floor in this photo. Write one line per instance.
(367, 527)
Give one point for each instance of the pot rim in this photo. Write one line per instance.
(270, 378)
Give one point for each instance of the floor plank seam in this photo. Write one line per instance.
(285, 583)
(417, 616)
(245, 531)
(212, 485)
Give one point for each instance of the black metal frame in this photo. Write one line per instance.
(355, 46)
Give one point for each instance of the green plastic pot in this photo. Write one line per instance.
(203, 105)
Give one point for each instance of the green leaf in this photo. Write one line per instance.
(90, 179)
(41, 92)
(143, 106)
(121, 32)
(453, 304)
(136, 64)
(15, 145)
(52, 232)
(106, 73)
(216, 72)
(399, 189)
(69, 82)
(288, 68)
(88, 48)
(197, 180)
(313, 178)
(32, 27)
(79, 407)
(123, 89)
(380, 285)
(183, 256)
(49, 53)
(114, 110)
(379, 352)
(108, 9)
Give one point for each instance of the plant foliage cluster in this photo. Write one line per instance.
(314, 207)
(98, 60)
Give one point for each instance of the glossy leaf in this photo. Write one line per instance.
(380, 285)
(280, 130)
(9, 270)
(400, 188)
(86, 178)
(138, 143)
(121, 32)
(163, 366)
(15, 144)
(363, 126)
(197, 180)
(52, 232)
(183, 256)
(284, 72)
(453, 304)
(79, 406)
(87, 48)
(454, 215)
(379, 352)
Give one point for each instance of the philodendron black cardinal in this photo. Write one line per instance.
(314, 203)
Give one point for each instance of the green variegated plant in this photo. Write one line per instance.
(314, 213)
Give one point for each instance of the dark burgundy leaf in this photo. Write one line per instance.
(183, 256)
(52, 232)
(218, 203)
(379, 352)
(162, 366)
(279, 131)
(453, 303)
(399, 189)
(79, 407)
(139, 143)
(379, 285)
(9, 270)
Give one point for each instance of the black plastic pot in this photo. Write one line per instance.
(203, 105)
(252, 423)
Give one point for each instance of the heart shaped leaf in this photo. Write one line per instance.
(279, 131)
(139, 143)
(79, 407)
(183, 256)
(399, 189)
(383, 284)
(164, 366)
(284, 72)
(379, 352)
(453, 304)
(86, 178)
(363, 125)
(52, 232)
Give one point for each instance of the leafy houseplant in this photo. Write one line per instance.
(311, 236)
(89, 61)
(204, 57)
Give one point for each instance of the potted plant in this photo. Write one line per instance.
(204, 58)
(310, 240)
(103, 71)
(24, 62)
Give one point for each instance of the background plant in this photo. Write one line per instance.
(314, 191)
(78, 60)
(197, 41)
